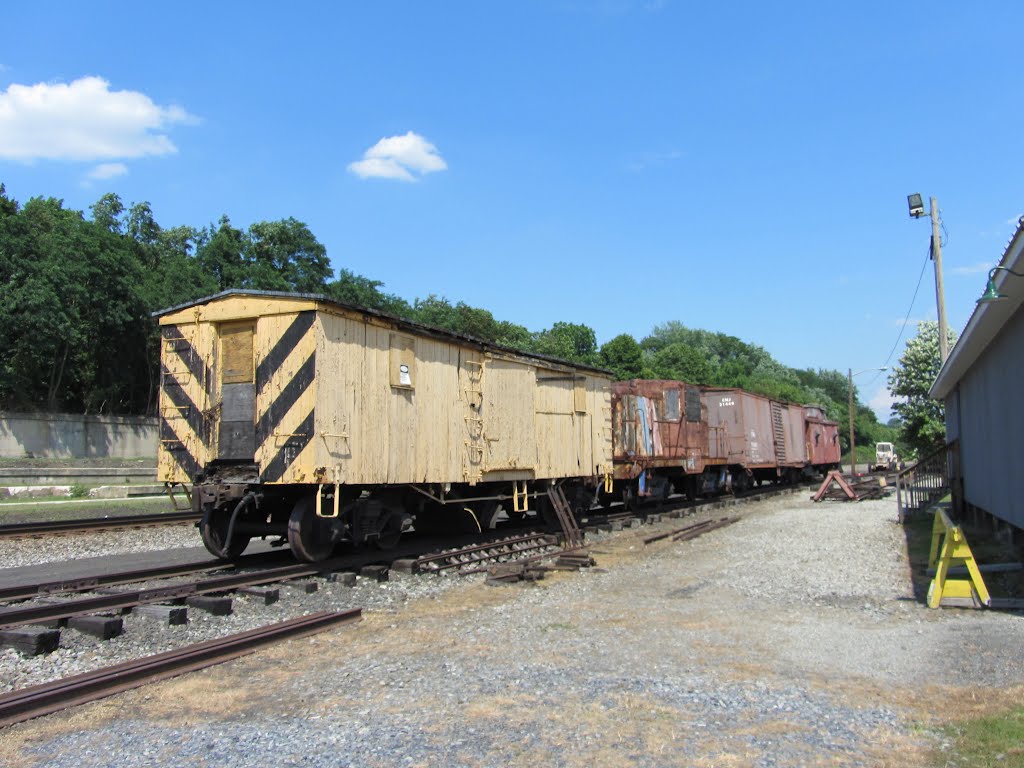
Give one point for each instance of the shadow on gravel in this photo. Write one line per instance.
(918, 533)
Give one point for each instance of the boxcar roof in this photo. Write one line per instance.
(426, 330)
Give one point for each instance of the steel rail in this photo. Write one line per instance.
(701, 526)
(37, 700)
(35, 614)
(478, 552)
(84, 583)
(713, 526)
(63, 586)
(85, 525)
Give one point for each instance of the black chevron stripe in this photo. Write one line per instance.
(175, 392)
(188, 355)
(286, 400)
(275, 468)
(290, 339)
(177, 450)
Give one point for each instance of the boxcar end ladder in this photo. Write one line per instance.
(571, 531)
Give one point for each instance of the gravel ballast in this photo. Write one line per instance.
(789, 638)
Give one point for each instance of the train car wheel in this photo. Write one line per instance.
(213, 529)
(390, 531)
(311, 537)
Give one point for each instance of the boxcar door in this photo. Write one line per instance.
(237, 435)
(508, 416)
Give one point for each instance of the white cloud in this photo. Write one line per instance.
(83, 120)
(973, 269)
(107, 171)
(881, 404)
(405, 158)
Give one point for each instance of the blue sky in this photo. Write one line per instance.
(740, 167)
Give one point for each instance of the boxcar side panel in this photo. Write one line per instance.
(795, 435)
(744, 423)
(822, 442)
(437, 410)
(791, 434)
(758, 442)
(556, 422)
(508, 417)
(340, 355)
(286, 385)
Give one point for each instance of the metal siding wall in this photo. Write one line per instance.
(992, 426)
(952, 416)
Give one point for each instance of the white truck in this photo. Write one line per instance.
(885, 457)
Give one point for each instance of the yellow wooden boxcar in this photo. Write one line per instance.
(297, 416)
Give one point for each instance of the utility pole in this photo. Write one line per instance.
(939, 293)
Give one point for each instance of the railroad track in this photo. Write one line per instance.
(37, 613)
(86, 525)
(474, 556)
(25, 704)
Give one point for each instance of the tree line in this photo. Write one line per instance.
(76, 332)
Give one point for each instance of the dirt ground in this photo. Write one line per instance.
(790, 638)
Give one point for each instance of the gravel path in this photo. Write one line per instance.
(789, 638)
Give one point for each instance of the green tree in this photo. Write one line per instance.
(220, 254)
(568, 341)
(923, 426)
(70, 312)
(286, 256)
(681, 362)
(107, 212)
(623, 356)
(360, 291)
(513, 335)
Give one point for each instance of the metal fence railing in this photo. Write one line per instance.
(926, 481)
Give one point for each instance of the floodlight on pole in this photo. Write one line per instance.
(916, 206)
(991, 292)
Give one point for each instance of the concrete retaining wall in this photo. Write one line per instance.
(70, 436)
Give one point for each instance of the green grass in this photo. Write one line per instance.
(997, 740)
(107, 463)
(31, 510)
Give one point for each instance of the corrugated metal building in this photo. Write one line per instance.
(980, 384)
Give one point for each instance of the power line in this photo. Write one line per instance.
(906, 319)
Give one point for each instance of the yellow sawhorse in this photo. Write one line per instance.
(950, 549)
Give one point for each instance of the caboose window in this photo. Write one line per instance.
(693, 404)
(671, 405)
